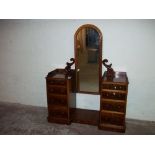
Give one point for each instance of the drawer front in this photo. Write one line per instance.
(60, 82)
(114, 87)
(57, 90)
(57, 107)
(58, 111)
(57, 100)
(113, 106)
(111, 118)
(113, 95)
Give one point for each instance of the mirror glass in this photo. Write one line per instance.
(87, 59)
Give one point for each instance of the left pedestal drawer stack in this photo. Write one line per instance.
(59, 96)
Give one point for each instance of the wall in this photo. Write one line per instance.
(29, 49)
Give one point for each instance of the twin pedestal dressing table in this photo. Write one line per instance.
(112, 87)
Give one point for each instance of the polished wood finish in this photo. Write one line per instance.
(61, 99)
(60, 95)
(62, 86)
(113, 102)
(110, 72)
(85, 116)
(99, 56)
(68, 66)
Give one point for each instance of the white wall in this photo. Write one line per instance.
(29, 49)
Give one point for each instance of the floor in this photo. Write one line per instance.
(18, 119)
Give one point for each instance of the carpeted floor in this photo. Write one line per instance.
(18, 119)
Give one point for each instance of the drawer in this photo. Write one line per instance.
(113, 95)
(113, 106)
(57, 89)
(57, 110)
(56, 82)
(52, 99)
(112, 118)
(57, 107)
(114, 86)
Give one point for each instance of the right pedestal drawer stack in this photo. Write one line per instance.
(113, 102)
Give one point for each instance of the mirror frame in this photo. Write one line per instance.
(100, 56)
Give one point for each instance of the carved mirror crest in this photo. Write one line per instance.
(88, 58)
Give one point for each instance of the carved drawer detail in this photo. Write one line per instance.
(57, 90)
(56, 82)
(114, 87)
(112, 118)
(113, 95)
(113, 102)
(113, 106)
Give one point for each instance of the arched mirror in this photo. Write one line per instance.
(88, 58)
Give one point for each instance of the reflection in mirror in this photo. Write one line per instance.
(87, 58)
